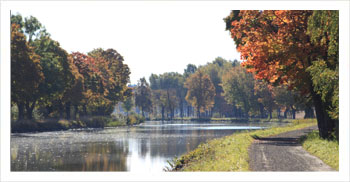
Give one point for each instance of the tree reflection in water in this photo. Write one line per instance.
(141, 148)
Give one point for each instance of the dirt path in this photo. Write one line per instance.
(283, 152)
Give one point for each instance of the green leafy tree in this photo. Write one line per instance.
(201, 92)
(323, 29)
(190, 69)
(32, 27)
(170, 88)
(57, 72)
(143, 96)
(238, 87)
(127, 105)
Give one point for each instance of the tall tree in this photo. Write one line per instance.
(26, 73)
(290, 46)
(143, 96)
(170, 87)
(127, 105)
(32, 27)
(190, 69)
(238, 87)
(216, 70)
(201, 91)
(57, 72)
(323, 29)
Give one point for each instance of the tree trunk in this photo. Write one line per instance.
(20, 111)
(75, 112)
(270, 113)
(326, 125)
(293, 113)
(162, 113)
(29, 110)
(143, 114)
(285, 113)
(198, 112)
(188, 111)
(309, 113)
(68, 110)
(261, 107)
(60, 109)
(85, 110)
(181, 108)
(48, 111)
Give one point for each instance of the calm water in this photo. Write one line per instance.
(146, 147)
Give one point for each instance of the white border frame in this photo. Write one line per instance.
(342, 175)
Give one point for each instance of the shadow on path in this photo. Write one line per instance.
(279, 141)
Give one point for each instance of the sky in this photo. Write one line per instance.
(153, 37)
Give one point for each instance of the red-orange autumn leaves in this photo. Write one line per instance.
(288, 47)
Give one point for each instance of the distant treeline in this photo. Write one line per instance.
(218, 89)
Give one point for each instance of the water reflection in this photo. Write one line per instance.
(141, 148)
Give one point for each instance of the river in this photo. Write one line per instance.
(145, 147)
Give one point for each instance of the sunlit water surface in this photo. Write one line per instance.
(145, 147)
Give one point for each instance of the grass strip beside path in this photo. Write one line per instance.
(326, 150)
(230, 153)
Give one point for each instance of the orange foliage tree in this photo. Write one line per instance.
(277, 47)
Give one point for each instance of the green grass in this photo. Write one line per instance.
(229, 153)
(326, 150)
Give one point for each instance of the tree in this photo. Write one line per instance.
(26, 73)
(88, 69)
(127, 105)
(32, 26)
(285, 98)
(216, 70)
(57, 72)
(112, 77)
(170, 90)
(201, 91)
(238, 86)
(143, 96)
(265, 95)
(115, 72)
(190, 69)
(323, 29)
(288, 46)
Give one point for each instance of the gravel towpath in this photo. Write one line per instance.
(283, 152)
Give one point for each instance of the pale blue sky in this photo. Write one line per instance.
(153, 37)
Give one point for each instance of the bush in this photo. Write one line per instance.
(134, 118)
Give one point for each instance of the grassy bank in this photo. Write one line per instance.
(63, 124)
(229, 153)
(326, 150)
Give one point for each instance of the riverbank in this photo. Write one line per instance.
(223, 119)
(23, 126)
(229, 153)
